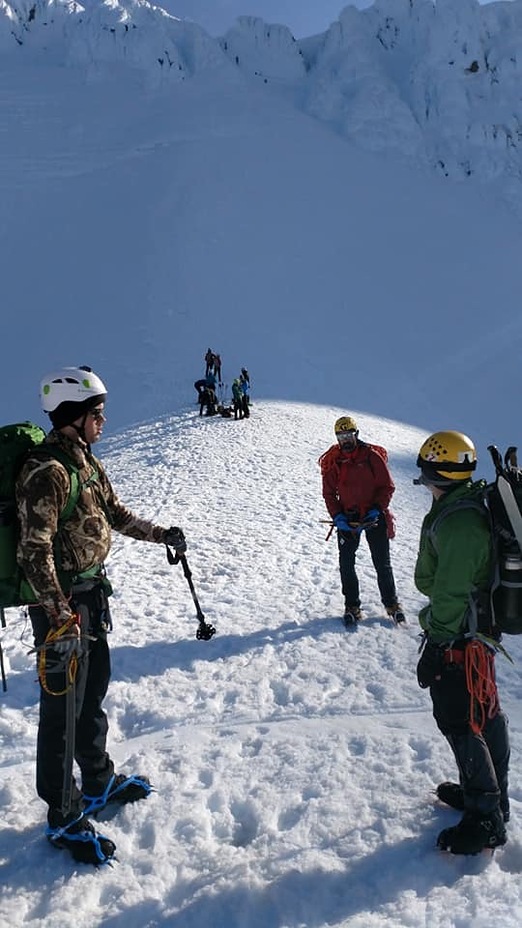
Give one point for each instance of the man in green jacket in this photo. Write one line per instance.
(454, 571)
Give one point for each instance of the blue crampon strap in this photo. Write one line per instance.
(85, 837)
(95, 803)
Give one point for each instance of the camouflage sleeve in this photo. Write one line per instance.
(42, 491)
(125, 521)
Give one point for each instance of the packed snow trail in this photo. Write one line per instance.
(295, 763)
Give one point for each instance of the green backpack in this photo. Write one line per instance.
(16, 442)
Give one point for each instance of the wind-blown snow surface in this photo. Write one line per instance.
(295, 762)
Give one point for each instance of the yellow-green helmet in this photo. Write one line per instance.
(447, 456)
(345, 424)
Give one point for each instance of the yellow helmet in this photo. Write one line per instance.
(447, 456)
(345, 424)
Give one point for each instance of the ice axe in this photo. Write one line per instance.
(356, 527)
(205, 631)
(69, 735)
(2, 668)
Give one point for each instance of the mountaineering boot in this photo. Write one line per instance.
(452, 794)
(83, 842)
(396, 612)
(120, 789)
(474, 833)
(352, 615)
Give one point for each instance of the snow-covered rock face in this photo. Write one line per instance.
(433, 82)
(106, 33)
(436, 82)
(268, 52)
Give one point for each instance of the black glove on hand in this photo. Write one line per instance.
(430, 665)
(176, 539)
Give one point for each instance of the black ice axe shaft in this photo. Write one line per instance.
(2, 668)
(69, 737)
(205, 631)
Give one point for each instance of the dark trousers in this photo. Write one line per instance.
(207, 400)
(92, 680)
(482, 759)
(379, 544)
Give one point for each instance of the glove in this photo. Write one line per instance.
(62, 616)
(69, 644)
(430, 665)
(372, 515)
(65, 635)
(341, 522)
(176, 539)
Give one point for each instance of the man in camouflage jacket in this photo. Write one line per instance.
(63, 562)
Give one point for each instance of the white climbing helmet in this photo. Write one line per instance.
(70, 385)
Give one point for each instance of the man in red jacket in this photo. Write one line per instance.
(357, 489)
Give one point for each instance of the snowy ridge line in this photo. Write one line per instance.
(133, 33)
(433, 83)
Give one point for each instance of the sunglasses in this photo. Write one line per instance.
(97, 414)
(341, 436)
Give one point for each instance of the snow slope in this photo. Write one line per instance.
(436, 84)
(150, 210)
(295, 762)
